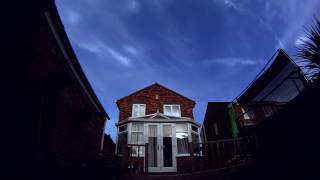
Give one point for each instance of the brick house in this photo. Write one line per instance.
(162, 120)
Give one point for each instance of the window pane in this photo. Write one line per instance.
(195, 138)
(182, 138)
(135, 110)
(122, 141)
(152, 151)
(167, 131)
(182, 143)
(181, 127)
(142, 110)
(137, 127)
(167, 110)
(153, 144)
(138, 110)
(153, 131)
(195, 141)
(137, 138)
(176, 110)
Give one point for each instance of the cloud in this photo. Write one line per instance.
(130, 49)
(119, 57)
(101, 49)
(92, 47)
(232, 4)
(233, 61)
(134, 6)
(72, 17)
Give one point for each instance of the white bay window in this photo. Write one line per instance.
(137, 138)
(195, 139)
(122, 138)
(182, 138)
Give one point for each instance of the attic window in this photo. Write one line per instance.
(157, 96)
(138, 110)
(172, 110)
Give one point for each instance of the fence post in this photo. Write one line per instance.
(191, 156)
(146, 161)
(125, 158)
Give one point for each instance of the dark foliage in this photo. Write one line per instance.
(309, 51)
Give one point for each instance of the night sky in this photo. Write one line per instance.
(207, 50)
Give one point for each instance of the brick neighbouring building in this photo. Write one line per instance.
(216, 124)
(56, 121)
(162, 118)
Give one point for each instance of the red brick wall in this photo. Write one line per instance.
(188, 164)
(184, 164)
(148, 96)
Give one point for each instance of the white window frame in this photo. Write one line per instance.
(144, 106)
(120, 133)
(194, 132)
(130, 131)
(189, 140)
(171, 108)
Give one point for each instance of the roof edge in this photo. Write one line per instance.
(155, 84)
(57, 22)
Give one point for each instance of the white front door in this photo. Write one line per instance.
(162, 147)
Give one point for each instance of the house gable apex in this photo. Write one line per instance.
(152, 86)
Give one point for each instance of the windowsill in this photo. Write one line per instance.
(183, 155)
(188, 154)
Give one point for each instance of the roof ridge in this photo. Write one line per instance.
(150, 86)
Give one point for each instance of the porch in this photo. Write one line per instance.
(212, 157)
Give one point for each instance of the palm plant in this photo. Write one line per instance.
(309, 51)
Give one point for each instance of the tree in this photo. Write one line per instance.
(309, 51)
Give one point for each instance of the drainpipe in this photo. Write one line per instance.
(102, 138)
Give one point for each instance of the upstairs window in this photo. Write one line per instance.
(138, 110)
(172, 110)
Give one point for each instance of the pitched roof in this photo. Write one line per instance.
(62, 37)
(271, 71)
(151, 86)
